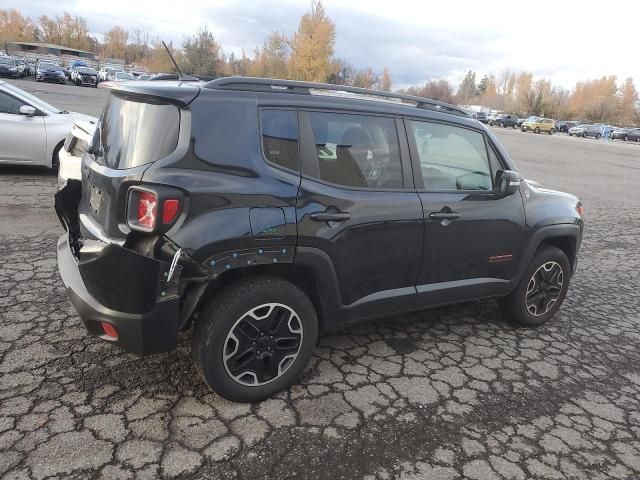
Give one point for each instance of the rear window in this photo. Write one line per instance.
(135, 133)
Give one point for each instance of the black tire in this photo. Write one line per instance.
(222, 318)
(537, 130)
(551, 131)
(624, 138)
(55, 158)
(516, 306)
(584, 135)
(598, 136)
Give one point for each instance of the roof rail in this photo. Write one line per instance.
(254, 84)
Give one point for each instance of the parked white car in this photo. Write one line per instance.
(108, 74)
(81, 76)
(32, 132)
(75, 146)
(123, 77)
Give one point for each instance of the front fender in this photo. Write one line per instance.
(549, 232)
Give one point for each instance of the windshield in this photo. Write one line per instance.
(6, 61)
(86, 70)
(49, 66)
(35, 101)
(124, 76)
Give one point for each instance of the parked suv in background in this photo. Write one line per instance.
(537, 125)
(586, 130)
(481, 117)
(262, 213)
(620, 134)
(564, 125)
(505, 120)
(633, 135)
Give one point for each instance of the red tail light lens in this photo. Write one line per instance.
(170, 209)
(109, 330)
(147, 210)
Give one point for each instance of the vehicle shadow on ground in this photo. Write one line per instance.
(27, 171)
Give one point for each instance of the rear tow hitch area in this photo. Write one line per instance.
(127, 294)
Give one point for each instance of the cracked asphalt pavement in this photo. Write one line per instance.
(454, 392)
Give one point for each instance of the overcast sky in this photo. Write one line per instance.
(417, 40)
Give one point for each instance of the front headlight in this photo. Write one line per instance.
(13, 69)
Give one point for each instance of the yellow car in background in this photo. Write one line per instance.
(538, 124)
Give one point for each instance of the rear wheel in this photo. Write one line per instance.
(598, 136)
(541, 290)
(552, 131)
(255, 338)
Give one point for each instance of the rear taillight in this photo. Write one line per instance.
(147, 210)
(170, 209)
(154, 208)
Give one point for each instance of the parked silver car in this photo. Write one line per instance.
(32, 132)
(586, 130)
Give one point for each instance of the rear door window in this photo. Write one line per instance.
(280, 137)
(135, 133)
(357, 150)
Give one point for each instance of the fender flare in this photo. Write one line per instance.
(539, 236)
(319, 262)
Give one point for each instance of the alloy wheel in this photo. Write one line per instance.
(544, 288)
(262, 344)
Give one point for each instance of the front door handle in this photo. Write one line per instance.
(330, 216)
(444, 215)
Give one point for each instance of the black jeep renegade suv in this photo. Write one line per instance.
(265, 211)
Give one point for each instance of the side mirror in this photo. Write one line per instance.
(27, 110)
(507, 182)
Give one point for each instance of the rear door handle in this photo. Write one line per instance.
(444, 215)
(330, 216)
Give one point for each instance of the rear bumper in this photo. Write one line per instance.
(112, 284)
(149, 332)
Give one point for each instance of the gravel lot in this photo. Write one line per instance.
(448, 393)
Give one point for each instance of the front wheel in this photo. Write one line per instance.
(255, 338)
(552, 131)
(537, 130)
(541, 290)
(598, 136)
